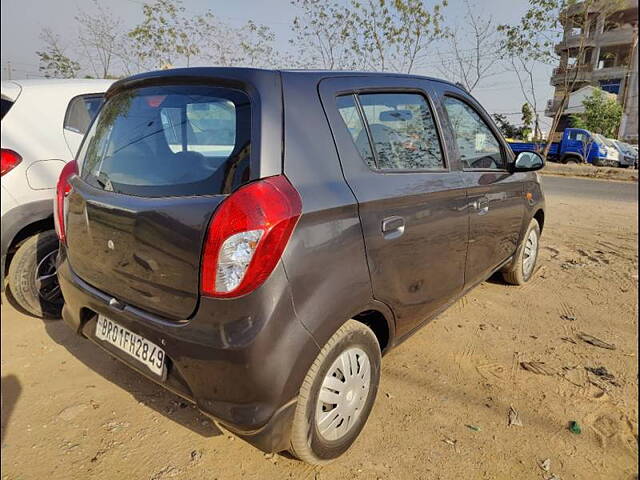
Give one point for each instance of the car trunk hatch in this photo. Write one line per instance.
(154, 166)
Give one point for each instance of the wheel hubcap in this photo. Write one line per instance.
(47, 279)
(530, 253)
(343, 394)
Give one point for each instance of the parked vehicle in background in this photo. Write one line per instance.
(576, 146)
(628, 155)
(43, 123)
(261, 272)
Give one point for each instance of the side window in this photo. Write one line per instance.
(352, 120)
(81, 112)
(403, 131)
(478, 146)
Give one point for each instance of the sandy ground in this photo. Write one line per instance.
(71, 412)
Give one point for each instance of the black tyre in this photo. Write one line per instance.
(32, 276)
(337, 395)
(523, 266)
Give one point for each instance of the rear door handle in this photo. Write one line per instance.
(392, 227)
(482, 205)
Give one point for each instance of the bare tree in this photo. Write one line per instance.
(523, 70)
(53, 59)
(257, 44)
(542, 27)
(165, 35)
(100, 38)
(321, 35)
(394, 34)
(474, 50)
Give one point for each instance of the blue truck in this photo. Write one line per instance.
(577, 146)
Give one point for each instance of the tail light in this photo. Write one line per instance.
(10, 160)
(247, 235)
(63, 188)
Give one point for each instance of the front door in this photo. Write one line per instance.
(412, 201)
(495, 195)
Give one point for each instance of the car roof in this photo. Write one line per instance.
(314, 75)
(11, 88)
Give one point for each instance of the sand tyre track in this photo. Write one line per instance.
(521, 270)
(340, 387)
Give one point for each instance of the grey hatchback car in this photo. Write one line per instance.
(255, 240)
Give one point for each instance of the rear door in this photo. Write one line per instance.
(154, 166)
(495, 195)
(412, 200)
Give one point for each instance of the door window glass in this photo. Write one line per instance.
(478, 146)
(403, 131)
(352, 120)
(579, 136)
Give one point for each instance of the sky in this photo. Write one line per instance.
(23, 20)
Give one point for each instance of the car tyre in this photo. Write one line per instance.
(523, 266)
(32, 276)
(315, 437)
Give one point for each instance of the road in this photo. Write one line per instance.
(592, 189)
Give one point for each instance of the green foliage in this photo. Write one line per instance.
(393, 35)
(602, 114)
(164, 34)
(53, 61)
(508, 129)
(539, 29)
(528, 116)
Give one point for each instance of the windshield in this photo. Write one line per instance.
(602, 140)
(169, 141)
(625, 148)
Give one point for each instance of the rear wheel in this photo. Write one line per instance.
(525, 263)
(33, 278)
(337, 395)
(572, 161)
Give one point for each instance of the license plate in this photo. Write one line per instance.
(138, 347)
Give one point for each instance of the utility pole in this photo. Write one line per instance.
(8, 70)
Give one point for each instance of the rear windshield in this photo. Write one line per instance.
(6, 106)
(169, 141)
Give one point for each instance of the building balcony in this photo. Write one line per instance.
(619, 36)
(609, 73)
(570, 73)
(573, 42)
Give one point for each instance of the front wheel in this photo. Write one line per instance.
(337, 395)
(520, 271)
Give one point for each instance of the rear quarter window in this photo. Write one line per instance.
(81, 112)
(170, 141)
(5, 105)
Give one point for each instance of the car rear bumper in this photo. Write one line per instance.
(241, 361)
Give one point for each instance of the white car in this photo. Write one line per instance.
(43, 123)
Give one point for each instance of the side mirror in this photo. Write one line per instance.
(528, 162)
